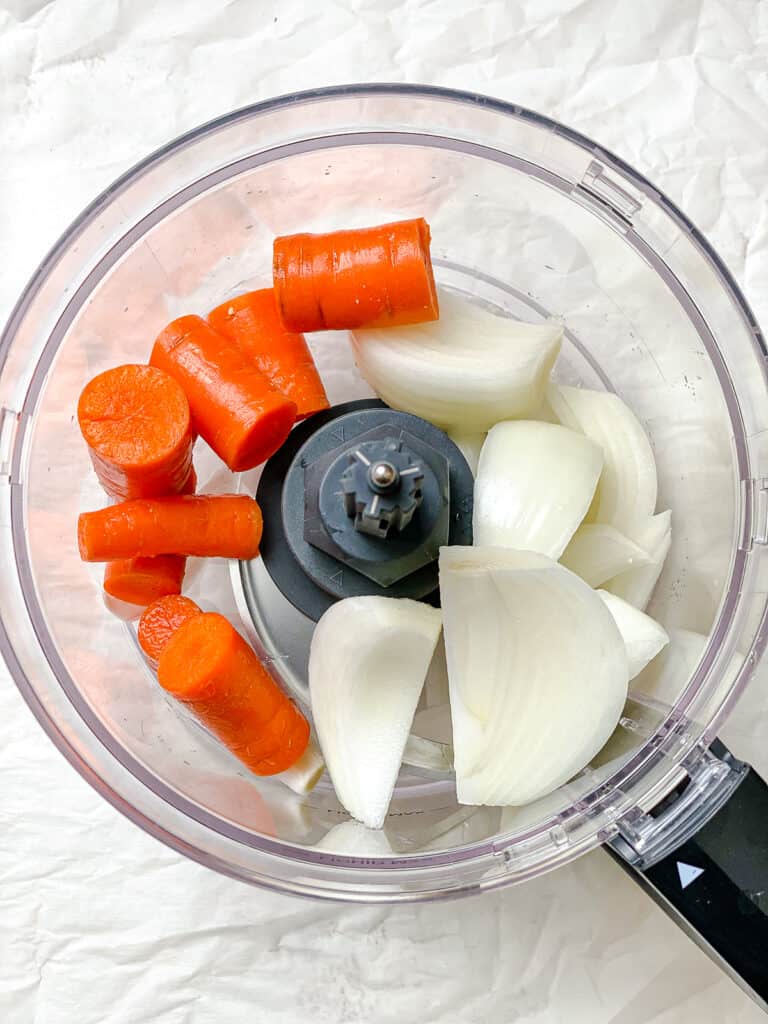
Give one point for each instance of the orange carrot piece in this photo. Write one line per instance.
(143, 580)
(210, 668)
(160, 621)
(253, 323)
(369, 277)
(136, 423)
(234, 407)
(225, 526)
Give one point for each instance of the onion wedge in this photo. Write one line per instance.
(470, 446)
(534, 485)
(643, 637)
(537, 672)
(628, 484)
(467, 370)
(367, 663)
(666, 677)
(597, 553)
(636, 585)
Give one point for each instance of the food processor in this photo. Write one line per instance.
(531, 220)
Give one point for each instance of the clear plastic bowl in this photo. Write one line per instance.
(526, 216)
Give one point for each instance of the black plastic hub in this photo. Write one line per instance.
(338, 525)
(381, 486)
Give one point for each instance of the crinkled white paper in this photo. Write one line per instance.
(99, 924)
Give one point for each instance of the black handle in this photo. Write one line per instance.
(714, 883)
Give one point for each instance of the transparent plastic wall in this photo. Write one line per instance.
(527, 218)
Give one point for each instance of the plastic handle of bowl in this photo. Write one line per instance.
(714, 883)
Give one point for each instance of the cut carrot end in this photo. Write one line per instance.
(141, 581)
(263, 438)
(135, 420)
(161, 620)
(84, 528)
(319, 407)
(199, 650)
(425, 236)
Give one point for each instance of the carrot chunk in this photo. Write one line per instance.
(210, 668)
(136, 423)
(253, 323)
(234, 407)
(369, 277)
(143, 580)
(160, 621)
(226, 526)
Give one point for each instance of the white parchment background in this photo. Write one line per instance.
(99, 924)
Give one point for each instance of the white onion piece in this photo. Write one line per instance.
(636, 585)
(537, 671)
(666, 677)
(628, 484)
(597, 553)
(643, 637)
(353, 839)
(367, 663)
(469, 445)
(591, 516)
(544, 411)
(467, 370)
(534, 485)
